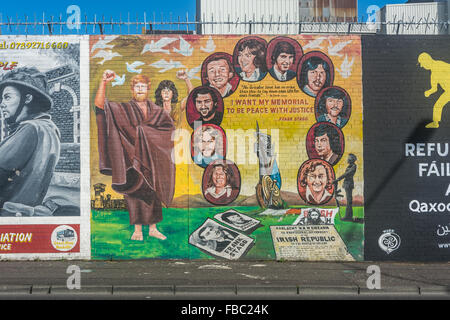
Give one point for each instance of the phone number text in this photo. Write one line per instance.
(34, 45)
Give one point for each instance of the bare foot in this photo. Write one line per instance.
(156, 234)
(137, 236)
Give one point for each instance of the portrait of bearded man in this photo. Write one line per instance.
(134, 139)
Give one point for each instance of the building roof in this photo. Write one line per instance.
(421, 1)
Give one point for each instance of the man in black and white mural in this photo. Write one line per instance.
(30, 151)
(39, 153)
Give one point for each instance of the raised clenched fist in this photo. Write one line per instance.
(108, 75)
(182, 75)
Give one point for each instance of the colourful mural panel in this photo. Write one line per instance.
(233, 147)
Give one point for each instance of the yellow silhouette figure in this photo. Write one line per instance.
(440, 74)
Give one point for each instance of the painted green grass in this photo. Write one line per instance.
(111, 232)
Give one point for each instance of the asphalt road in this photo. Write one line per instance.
(180, 279)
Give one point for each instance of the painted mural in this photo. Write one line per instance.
(41, 211)
(231, 147)
(408, 188)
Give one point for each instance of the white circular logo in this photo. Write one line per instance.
(389, 241)
(64, 238)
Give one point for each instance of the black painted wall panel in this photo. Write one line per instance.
(396, 112)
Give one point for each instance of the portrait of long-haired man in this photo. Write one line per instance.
(315, 182)
(221, 182)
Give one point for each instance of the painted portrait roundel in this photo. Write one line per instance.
(221, 182)
(315, 71)
(325, 141)
(204, 106)
(218, 72)
(208, 143)
(315, 182)
(334, 105)
(277, 50)
(249, 59)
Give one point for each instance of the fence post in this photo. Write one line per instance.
(50, 26)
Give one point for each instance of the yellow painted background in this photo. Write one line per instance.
(290, 146)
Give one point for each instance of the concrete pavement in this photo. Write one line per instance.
(181, 279)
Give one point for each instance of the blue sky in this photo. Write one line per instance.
(112, 9)
(364, 4)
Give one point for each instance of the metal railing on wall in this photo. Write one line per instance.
(52, 25)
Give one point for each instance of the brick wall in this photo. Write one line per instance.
(65, 89)
(69, 160)
(64, 86)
